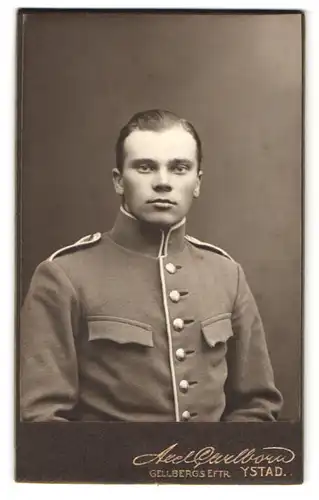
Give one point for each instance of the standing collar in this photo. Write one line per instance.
(145, 237)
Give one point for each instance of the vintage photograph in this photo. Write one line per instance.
(159, 250)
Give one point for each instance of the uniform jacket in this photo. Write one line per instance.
(138, 325)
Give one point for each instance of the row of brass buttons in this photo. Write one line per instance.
(178, 325)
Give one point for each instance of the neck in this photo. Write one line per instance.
(149, 239)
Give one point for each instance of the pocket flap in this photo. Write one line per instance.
(217, 329)
(122, 331)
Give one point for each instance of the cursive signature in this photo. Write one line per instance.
(209, 455)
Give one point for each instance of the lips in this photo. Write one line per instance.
(163, 201)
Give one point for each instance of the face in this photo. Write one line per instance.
(160, 175)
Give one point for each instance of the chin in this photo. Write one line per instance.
(162, 219)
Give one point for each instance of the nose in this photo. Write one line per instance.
(161, 181)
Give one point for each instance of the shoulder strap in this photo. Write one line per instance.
(88, 240)
(207, 246)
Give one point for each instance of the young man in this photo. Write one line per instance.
(145, 323)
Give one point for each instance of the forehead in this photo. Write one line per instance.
(165, 144)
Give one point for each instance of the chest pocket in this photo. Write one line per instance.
(216, 332)
(119, 331)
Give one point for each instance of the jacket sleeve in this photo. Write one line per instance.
(250, 391)
(48, 362)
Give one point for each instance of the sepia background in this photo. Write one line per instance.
(237, 78)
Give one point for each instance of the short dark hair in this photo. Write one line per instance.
(155, 120)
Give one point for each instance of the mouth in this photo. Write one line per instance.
(162, 201)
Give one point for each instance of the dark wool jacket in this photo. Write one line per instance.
(136, 325)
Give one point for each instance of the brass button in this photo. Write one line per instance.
(180, 354)
(178, 324)
(186, 415)
(174, 296)
(183, 385)
(170, 268)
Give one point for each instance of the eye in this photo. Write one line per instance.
(180, 168)
(144, 168)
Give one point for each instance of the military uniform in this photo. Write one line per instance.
(138, 325)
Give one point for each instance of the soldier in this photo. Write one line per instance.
(145, 323)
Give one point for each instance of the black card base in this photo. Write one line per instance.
(204, 453)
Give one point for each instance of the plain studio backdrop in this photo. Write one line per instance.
(237, 78)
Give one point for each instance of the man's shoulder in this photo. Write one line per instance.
(86, 242)
(77, 260)
(208, 249)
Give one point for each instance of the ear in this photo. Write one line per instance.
(118, 181)
(198, 184)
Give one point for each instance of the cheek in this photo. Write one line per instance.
(187, 191)
(133, 189)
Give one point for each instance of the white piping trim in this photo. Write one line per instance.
(79, 243)
(169, 335)
(160, 251)
(195, 241)
(127, 213)
(164, 249)
(166, 242)
(61, 250)
(172, 228)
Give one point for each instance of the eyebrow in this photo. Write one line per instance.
(138, 161)
(179, 161)
(174, 161)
